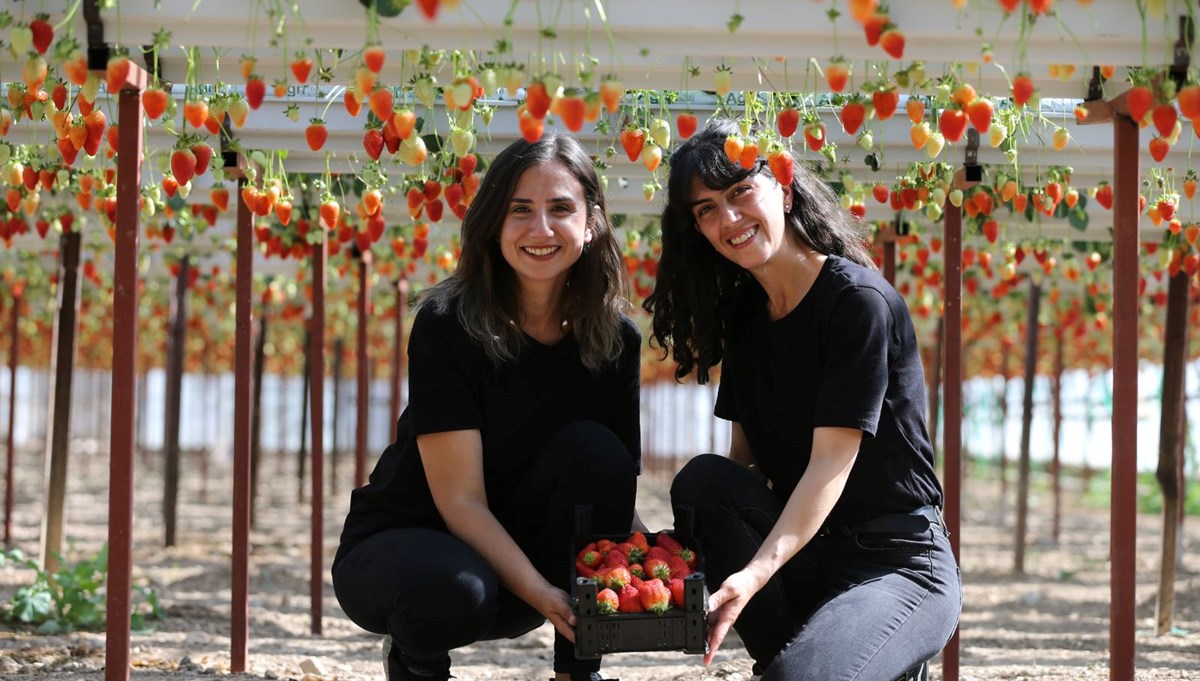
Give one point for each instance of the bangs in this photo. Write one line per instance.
(706, 161)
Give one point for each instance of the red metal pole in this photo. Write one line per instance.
(243, 352)
(952, 400)
(1125, 399)
(316, 383)
(364, 296)
(889, 260)
(124, 379)
(15, 316)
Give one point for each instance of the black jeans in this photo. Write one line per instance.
(432, 592)
(866, 607)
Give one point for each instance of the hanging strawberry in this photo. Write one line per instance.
(256, 90)
(885, 99)
(1164, 116)
(1159, 148)
(316, 133)
(373, 57)
(686, 123)
(1139, 100)
(633, 139)
(952, 123)
(852, 116)
(154, 101)
(301, 67)
(611, 92)
(1022, 89)
(183, 165)
(41, 33)
(1189, 184)
(787, 121)
(781, 163)
(373, 143)
(836, 74)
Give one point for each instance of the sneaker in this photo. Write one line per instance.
(398, 667)
(586, 676)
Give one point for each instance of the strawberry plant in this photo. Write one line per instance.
(70, 598)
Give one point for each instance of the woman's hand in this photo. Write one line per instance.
(726, 605)
(555, 605)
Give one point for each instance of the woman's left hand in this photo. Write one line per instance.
(555, 605)
(725, 606)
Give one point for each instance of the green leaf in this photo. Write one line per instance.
(30, 605)
(1078, 218)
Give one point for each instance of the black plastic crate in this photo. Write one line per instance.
(684, 629)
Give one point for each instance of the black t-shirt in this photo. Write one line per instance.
(846, 356)
(516, 406)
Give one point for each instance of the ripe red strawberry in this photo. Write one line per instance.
(677, 591)
(885, 101)
(658, 553)
(632, 140)
(1139, 100)
(873, 27)
(655, 596)
(629, 600)
(203, 154)
(43, 33)
(892, 42)
(836, 74)
(980, 113)
(373, 142)
(29, 177)
(373, 57)
(668, 543)
(952, 123)
(329, 212)
(1166, 209)
(170, 185)
(154, 101)
(1104, 195)
(617, 576)
(607, 602)
(686, 124)
(852, 116)
(1022, 89)
(678, 567)
(455, 195)
(689, 557)
(429, 8)
(782, 166)
(116, 72)
(616, 557)
(468, 164)
(433, 210)
(94, 123)
(880, 192)
(531, 126)
(639, 540)
(814, 136)
(657, 568)
(183, 165)
(301, 67)
(1164, 119)
(537, 100)
(316, 134)
(787, 121)
(219, 196)
(991, 231)
(381, 102)
(1159, 148)
(256, 89)
(572, 110)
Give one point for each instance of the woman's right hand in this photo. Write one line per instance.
(555, 605)
(724, 607)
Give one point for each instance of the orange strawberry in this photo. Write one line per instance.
(1022, 89)
(1189, 101)
(733, 148)
(301, 67)
(862, 10)
(117, 73)
(154, 101)
(749, 155)
(892, 42)
(572, 109)
(852, 116)
(1189, 186)
(531, 126)
(632, 140)
(112, 135)
(316, 134)
(915, 109)
(1139, 100)
(685, 124)
(381, 102)
(256, 90)
(787, 121)
(651, 156)
(782, 165)
(219, 195)
(329, 212)
(352, 102)
(405, 121)
(34, 70)
(373, 58)
(537, 100)
(195, 112)
(611, 92)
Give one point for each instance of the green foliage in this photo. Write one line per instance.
(1149, 494)
(70, 598)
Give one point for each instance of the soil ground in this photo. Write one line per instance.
(1049, 624)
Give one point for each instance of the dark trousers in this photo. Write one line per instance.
(866, 607)
(432, 592)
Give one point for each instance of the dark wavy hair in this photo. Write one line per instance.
(482, 291)
(696, 289)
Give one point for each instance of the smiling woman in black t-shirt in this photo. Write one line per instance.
(821, 530)
(523, 403)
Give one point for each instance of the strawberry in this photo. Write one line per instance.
(170, 185)
(43, 33)
(677, 591)
(782, 166)
(733, 148)
(58, 94)
(94, 123)
(629, 600)
(203, 154)
(219, 195)
(571, 110)
(892, 42)
(373, 142)
(651, 156)
(380, 101)
(633, 140)
(329, 212)
(611, 92)
(1022, 89)
(76, 68)
(1159, 148)
(316, 134)
(1061, 138)
(685, 124)
(1189, 185)
(112, 135)
(34, 70)
(607, 602)
(1019, 202)
(787, 121)
(1139, 101)
(405, 121)
(919, 134)
(429, 8)
(373, 58)
(915, 109)
(991, 230)
(237, 110)
(678, 566)
(468, 163)
(688, 556)
(1164, 116)
(154, 101)
(980, 113)
(416, 204)
(749, 155)
(256, 90)
(1189, 101)
(183, 165)
(852, 116)
(723, 80)
(537, 99)
(532, 127)
(301, 67)
(195, 112)
(862, 10)
(455, 194)
(668, 543)
(880, 192)
(433, 210)
(873, 27)
(836, 74)
(655, 596)
(1010, 6)
(885, 100)
(1166, 208)
(952, 123)
(617, 576)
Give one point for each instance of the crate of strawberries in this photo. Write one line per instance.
(638, 592)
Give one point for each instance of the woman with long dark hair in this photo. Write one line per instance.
(523, 384)
(821, 531)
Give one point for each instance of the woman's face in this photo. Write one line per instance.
(745, 221)
(545, 226)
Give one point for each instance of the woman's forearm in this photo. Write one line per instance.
(474, 523)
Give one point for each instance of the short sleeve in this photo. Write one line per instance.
(854, 367)
(441, 396)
